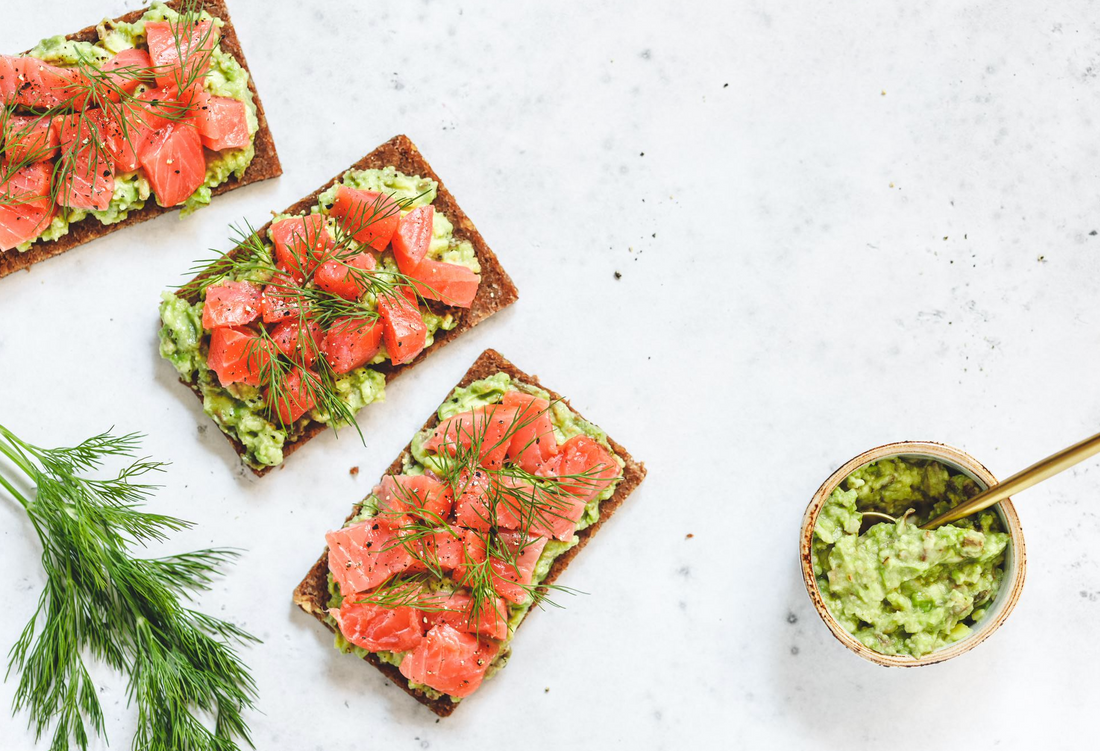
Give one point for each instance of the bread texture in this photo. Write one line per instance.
(265, 164)
(312, 594)
(495, 292)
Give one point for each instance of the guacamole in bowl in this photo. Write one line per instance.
(895, 593)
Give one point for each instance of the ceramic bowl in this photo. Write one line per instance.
(1015, 558)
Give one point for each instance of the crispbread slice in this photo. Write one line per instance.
(495, 292)
(265, 164)
(312, 594)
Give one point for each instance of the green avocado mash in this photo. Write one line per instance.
(225, 77)
(238, 409)
(482, 393)
(898, 589)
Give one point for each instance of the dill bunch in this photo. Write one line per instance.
(101, 601)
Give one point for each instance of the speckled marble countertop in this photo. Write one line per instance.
(836, 225)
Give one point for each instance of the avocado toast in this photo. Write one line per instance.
(102, 126)
(532, 494)
(387, 267)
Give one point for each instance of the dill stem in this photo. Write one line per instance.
(19, 461)
(19, 447)
(14, 493)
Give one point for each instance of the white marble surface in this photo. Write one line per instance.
(837, 224)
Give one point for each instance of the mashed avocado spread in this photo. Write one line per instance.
(482, 393)
(898, 589)
(239, 409)
(225, 77)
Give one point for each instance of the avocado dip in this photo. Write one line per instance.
(898, 589)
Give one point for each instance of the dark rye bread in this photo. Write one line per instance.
(312, 595)
(495, 292)
(264, 165)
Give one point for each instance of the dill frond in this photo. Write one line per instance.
(102, 602)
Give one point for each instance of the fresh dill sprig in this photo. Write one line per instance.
(101, 601)
(408, 592)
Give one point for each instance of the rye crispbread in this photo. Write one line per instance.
(495, 292)
(312, 594)
(265, 164)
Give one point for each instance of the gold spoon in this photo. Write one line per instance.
(1033, 475)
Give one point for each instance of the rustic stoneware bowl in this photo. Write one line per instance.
(1015, 559)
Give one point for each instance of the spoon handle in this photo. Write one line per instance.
(1033, 475)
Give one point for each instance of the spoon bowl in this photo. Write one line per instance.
(871, 518)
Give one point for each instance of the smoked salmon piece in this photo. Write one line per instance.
(126, 71)
(29, 138)
(491, 620)
(25, 205)
(87, 173)
(482, 502)
(300, 347)
(440, 551)
(511, 574)
(87, 180)
(117, 141)
(237, 355)
(417, 495)
(281, 299)
(221, 121)
(30, 82)
(366, 554)
(180, 54)
(533, 441)
(297, 395)
(543, 510)
(53, 86)
(11, 71)
(344, 277)
(174, 163)
(449, 283)
(371, 218)
(376, 628)
(155, 108)
(301, 242)
(449, 660)
(488, 428)
(412, 238)
(585, 467)
(403, 329)
(231, 303)
(350, 343)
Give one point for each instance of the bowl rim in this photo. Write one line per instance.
(1014, 575)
